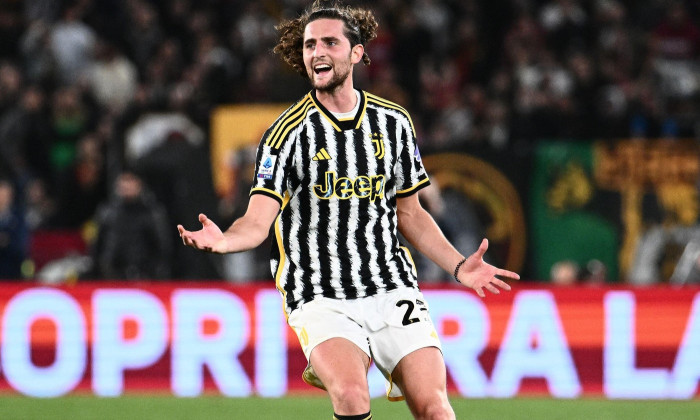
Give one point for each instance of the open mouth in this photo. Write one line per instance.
(322, 68)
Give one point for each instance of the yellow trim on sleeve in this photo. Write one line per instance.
(267, 190)
(423, 181)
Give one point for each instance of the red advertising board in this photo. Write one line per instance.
(189, 339)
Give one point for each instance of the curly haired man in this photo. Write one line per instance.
(337, 174)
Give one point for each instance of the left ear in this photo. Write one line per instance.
(356, 53)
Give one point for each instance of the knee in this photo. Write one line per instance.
(435, 410)
(351, 397)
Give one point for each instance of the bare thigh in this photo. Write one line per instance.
(422, 378)
(342, 367)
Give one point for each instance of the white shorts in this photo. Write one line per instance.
(386, 327)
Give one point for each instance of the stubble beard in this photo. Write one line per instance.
(336, 81)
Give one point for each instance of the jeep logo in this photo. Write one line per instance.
(371, 187)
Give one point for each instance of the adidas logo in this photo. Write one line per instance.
(322, 155)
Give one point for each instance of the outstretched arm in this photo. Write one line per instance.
(246, 233)
(420, 229)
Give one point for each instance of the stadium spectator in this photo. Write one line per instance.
(11, 81)
(675, 55)
(83, 185)
(564, 273)
(565, 23)
(10, 27)
(36, 54)
(132, 234)
(25, 137)
(111, 77)
(434, 16)
(143, 34)
(72, 116)
(72, 43)
(676, 37)
(583, 95)
(255, 30)
(40, 206)
(14, 233)
(172, 171)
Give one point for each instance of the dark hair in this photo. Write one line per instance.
(360, 28)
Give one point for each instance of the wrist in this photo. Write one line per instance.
(457, 267)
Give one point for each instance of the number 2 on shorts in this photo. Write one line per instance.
(406, 317)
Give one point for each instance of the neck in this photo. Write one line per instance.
(341, 99)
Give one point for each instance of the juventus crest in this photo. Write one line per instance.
(378, 141)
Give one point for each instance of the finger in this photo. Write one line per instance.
(493, 289)
(509, 274)
(180, 229)
(500, 283)
(203, 219)
(479, 291)
(482, 248)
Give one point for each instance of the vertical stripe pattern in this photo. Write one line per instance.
(337, 233)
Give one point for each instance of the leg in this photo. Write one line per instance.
(422, 378)
(342, 367)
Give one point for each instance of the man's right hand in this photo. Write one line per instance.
(210, 238)
(245, 233)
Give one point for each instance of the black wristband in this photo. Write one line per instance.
(459, 265)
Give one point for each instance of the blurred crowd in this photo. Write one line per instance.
(105, 105)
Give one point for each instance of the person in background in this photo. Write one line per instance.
(132, 242)
(14, 234)
(564, 273)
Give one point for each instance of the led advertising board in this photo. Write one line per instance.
(190, 339)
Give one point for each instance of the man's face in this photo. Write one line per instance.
(328, 56)
(128, 187)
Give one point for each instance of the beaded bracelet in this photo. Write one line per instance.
(459, 265)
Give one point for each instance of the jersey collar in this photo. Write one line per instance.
(341, 125)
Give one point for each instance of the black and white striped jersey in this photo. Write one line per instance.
(337, 182)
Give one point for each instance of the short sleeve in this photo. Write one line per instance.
(271, 169)
(411, 175)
